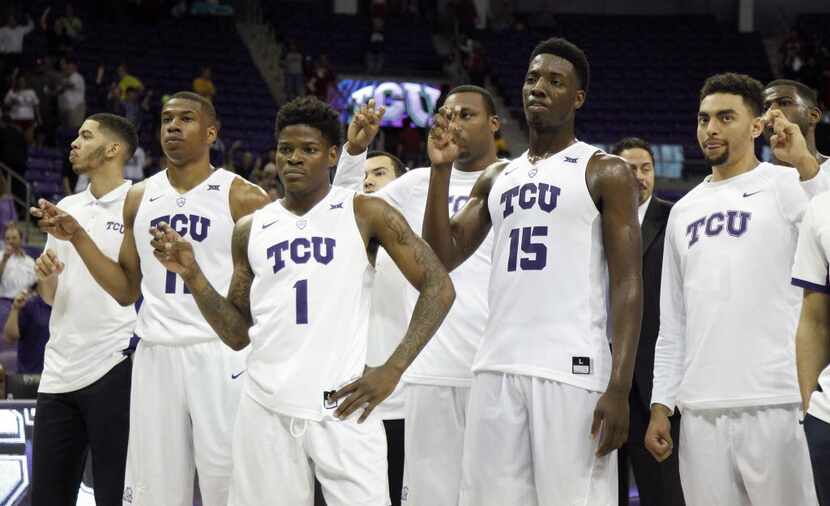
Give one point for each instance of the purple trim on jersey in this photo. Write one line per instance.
(811, 286)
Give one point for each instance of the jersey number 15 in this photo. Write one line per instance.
(535, 254)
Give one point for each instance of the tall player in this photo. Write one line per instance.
(564, 220)
(438, 383)
(799, 103)
(84, 394)
(185, 387)
(300, 295)
(725, 352)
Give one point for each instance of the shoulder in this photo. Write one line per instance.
(70, 201)
(246, 197)
(821, 204)
(604, 165)
(133, 200)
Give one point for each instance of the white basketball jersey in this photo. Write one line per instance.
(310, 303)
(549, 281)
(169, 314)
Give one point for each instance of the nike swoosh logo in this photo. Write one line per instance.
(240, 373)
(266, 225)
(751, 194)
(153, 199)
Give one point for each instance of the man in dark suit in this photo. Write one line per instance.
(658, 483)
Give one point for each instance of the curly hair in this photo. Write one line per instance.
(313, 112)
(746, 87)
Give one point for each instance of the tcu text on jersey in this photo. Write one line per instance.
(528, 195)
(735, 223)
(186, 225)
(301, 250)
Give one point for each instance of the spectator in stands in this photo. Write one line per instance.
(22, 103)
(71, 96)
(8, 213)
(28, 326)
(203, 84)
(503, 150)
(476, 63)
(411, 144)
(218, 151)
(133, 106)
(46, 81)
(323, 80)
(134, 168)
(69, 28)
(375, 51)
(292, 64)
(17, 269)
(127, 80)
(11, 43)
(248, 163)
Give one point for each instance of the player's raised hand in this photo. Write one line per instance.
(48, 264)
(54, 221)
(787, 141)
(441, 144)
(172, 250)
(364, 126)
(376, 384)
(658, 435)
(610, 422)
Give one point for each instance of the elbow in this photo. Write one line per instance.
(238, 343)
(448, 292)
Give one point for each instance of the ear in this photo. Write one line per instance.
(333, 155)
(212, 133)
(495, 123)
(814, 116)
(757, 127)
(113, 148)
(579, 99)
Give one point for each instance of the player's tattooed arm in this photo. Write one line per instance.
(121, 279)
(230, 317)
(613, 187)
(381, 224)
(245, 198)
(454, 240)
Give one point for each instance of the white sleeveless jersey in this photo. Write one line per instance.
(310, 303)
(549, 282)
(169, 314)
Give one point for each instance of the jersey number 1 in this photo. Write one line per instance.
(535, 254)
(301, 301)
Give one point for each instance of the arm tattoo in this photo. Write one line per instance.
(435, 299)
(230, 317)
(395, 223)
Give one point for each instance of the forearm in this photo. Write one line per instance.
(47, 287)
(349, 173)
(812, 356)
(229, 323)
(434, 302)
(12, 329)
(807, 167)
(108, 273)
(437, 230)
(626, 316)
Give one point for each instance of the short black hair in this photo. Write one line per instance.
(119, 126)
(746, 87)
(806, 93)
(313, 112)
(568, 51)
(399, 167)
(489, 102)
(205, 104)
(632, 143)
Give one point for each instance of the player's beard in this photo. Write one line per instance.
(94, 159)
(720, 159)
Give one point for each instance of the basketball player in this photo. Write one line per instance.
(799, 103)
(564, 221)
(387, 322)
(84, 394)
(438, 383)
(300, 295)
(381, 168)
(185, 382)
(813, 339)
(725, 353)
